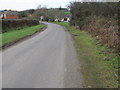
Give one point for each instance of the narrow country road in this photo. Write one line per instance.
(47, 60)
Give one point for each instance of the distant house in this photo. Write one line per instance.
(41, 18)
(9, 15)
(57, 20)
(66, 19)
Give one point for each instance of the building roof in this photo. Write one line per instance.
(9, 12)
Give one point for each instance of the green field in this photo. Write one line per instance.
(17, 34)
(67, 13)
(99, 65)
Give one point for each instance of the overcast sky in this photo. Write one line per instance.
(32, 4)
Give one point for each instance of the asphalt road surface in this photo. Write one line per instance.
(47, 60)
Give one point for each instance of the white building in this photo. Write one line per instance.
(41, 18)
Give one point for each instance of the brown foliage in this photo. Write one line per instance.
(100, 19)
(106, 31)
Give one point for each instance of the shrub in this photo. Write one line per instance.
(100, 19)
(106, 31)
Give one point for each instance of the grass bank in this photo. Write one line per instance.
(99, 64)
(13, 35)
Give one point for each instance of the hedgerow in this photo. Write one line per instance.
(8, 25)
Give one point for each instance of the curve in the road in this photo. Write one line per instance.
(47, 60)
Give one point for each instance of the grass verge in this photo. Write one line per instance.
(99, 65)
(13, 35)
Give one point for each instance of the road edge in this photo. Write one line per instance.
(4, 47)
